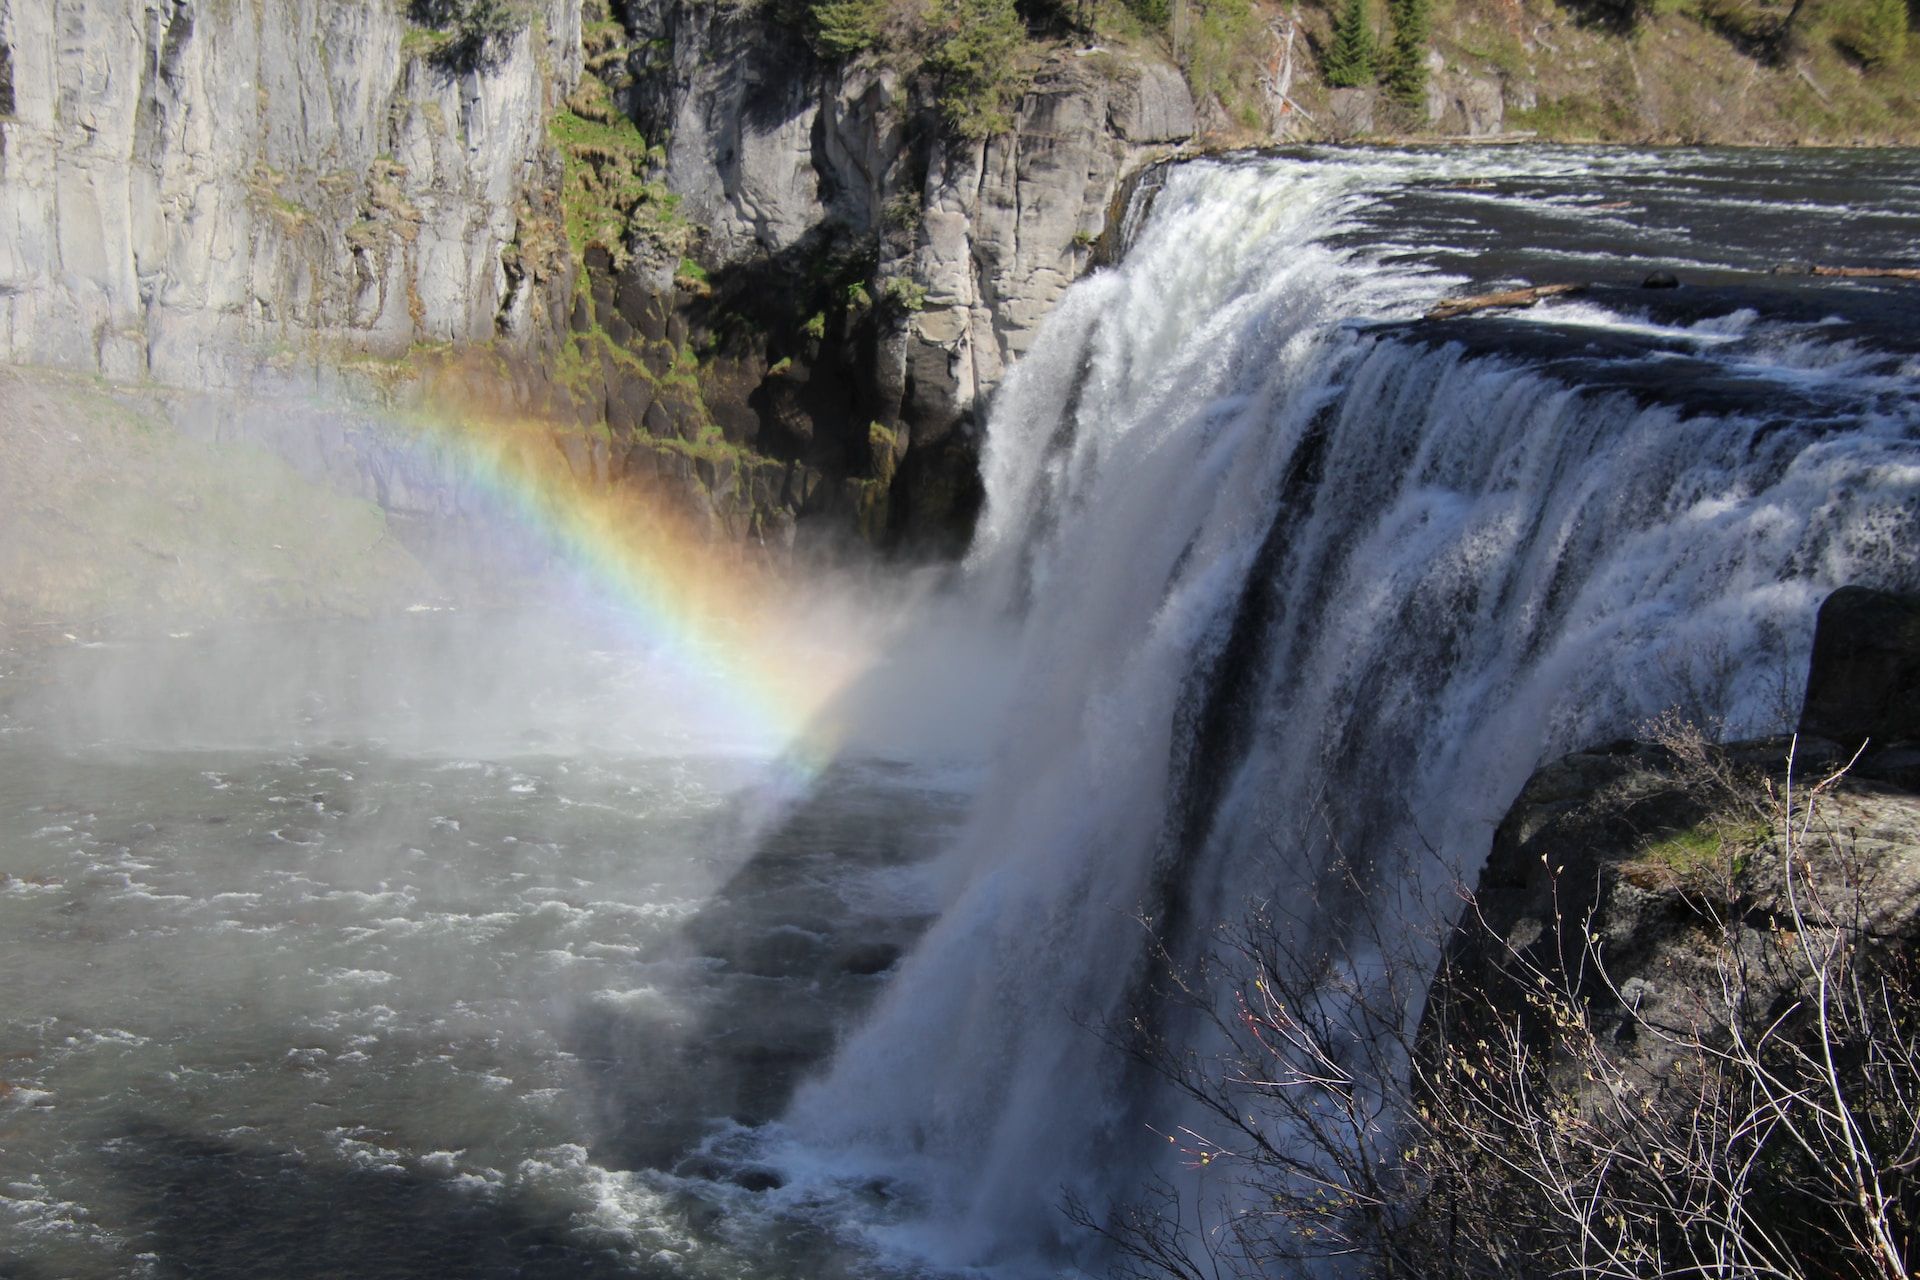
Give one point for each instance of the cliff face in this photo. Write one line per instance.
(196, 191)
(947, 252)
(1628, 874)
(186, 184)
(1011, 222)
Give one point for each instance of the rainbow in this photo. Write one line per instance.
(710, 610)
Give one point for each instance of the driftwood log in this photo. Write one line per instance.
(1870, 273)
(1847, 273)
(1526, 296)
(1504, 298)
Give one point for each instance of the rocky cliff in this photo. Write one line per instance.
(1675, 1027)
(1629, 875)
(186, 187)
(860, 276)
(700, 250)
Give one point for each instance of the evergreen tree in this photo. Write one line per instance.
(841, 28)
(978, 64)
(1405, 72)
(1350, 59)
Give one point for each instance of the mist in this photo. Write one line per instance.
(365, 812)
(211, 573)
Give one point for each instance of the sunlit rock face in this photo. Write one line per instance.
(785, 159)
(252, 197)
(184, 183)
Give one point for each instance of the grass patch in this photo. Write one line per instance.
(611, 195)
(1709, 853)
(1578, 117)
(714, 447)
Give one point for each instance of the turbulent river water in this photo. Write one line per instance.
(356, 950)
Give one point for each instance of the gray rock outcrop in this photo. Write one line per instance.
(779, 155)
(1465, 105)
(183, 184)
(1351, 112)
(1010, 222)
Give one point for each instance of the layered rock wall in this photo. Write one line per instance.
(786, 160)
(200, 191)
(186, 183)
(1011, 221)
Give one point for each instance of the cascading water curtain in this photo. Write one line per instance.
(1302, 588)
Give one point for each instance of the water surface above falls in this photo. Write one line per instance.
(400, 962)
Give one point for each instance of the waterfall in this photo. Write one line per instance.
(1297, 574)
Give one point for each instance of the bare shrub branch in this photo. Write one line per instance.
(1544, 1119)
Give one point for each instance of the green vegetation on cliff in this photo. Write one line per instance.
(464, 35)
(612, 193)
(976, 58)
(1689, 71)
(842, 27)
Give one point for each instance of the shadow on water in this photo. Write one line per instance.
(784, 956)
(216, 1209)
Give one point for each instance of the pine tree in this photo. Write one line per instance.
(842, 28)
(1405, 72)
(1350, 59)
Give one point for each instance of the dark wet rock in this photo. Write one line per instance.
(1637, 853)
(1864, 679)
(628, 405)
(782, 951)
(713, 1169)
(1661, 280)
(869, 959)
(757, 1179)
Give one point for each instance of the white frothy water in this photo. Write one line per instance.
(1288, 583)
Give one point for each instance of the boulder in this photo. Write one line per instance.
(1863, 681)
(1465, 105)
(1150, 104)
(1350, 112)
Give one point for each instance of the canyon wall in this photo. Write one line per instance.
(187, 188)
(697, 248)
